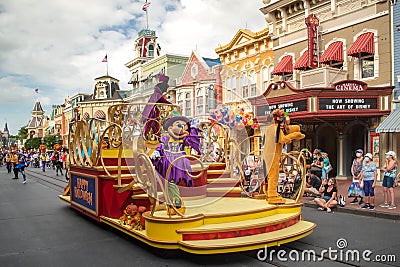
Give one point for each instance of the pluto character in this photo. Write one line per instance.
(276, 135)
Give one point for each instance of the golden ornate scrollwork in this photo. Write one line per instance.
(298, 162)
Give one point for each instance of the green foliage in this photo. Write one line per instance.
(51, 140)
(22, 133)
(33, 143)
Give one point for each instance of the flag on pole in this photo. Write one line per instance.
(36, 90)
(104, 59)
(145, 6)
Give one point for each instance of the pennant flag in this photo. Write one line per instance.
(36, 90)
(104, 59)
(145, 6)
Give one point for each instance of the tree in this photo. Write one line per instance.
(51, 140)
(33, 143)
(22, 133)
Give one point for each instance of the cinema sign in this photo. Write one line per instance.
(350, 85)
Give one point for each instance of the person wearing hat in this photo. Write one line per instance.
(8, 161)
(369, 175)
(14, 162)
(355, 189)
(389, 180)
(151, 112)
(172, 146)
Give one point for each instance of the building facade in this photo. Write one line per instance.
(247, 65)
(105, 94)
(38, 123)
(333, 57)
(199, 89)
(148, 64)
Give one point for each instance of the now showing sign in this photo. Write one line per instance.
(347, 103)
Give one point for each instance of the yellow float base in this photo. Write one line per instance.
(221, 225)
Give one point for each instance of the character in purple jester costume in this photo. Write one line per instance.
(180, 135)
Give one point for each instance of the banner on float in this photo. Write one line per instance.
(84, 192)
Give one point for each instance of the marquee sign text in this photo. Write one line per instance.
(290, 107)
(347, 103)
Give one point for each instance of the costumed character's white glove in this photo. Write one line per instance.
(195, 123)
(155, 154)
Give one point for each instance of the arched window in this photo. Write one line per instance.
(188, 105)
(253, 83)
(234, 83)
(199, 102)
(229, 89)
(245, 85)
(150, 50)
(180, 101)
(364, 50)
(266, 77)
(270, 75)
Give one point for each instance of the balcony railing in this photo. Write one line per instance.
(321, 77)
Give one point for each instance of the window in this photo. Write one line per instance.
(233, 87)
(150, 50)
(266, 75)
(188, 105)
(180, 101)
(245, 86)
(229, 89)
(199, 102)
(253, 89)
(253, 83)
(333, 55)
(367, 66)
(364, 49)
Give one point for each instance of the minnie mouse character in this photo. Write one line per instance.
(172, 146)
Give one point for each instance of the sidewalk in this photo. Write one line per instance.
(343, 186)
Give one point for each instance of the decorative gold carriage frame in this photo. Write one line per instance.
(124, 132)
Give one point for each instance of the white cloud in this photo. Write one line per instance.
(57, 45)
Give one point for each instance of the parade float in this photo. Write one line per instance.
(182, 184)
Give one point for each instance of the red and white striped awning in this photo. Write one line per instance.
(334, 52)
(302, 63)
(285, 66)
(86, 116)
(363, 45)
(99, 114)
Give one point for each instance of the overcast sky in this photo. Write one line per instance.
(57, 46)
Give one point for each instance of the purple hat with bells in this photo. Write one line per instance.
(163, 83)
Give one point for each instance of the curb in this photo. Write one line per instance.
(377, 214)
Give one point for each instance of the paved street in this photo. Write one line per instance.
(37, 229)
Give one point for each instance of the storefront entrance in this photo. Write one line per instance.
(326, 140)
